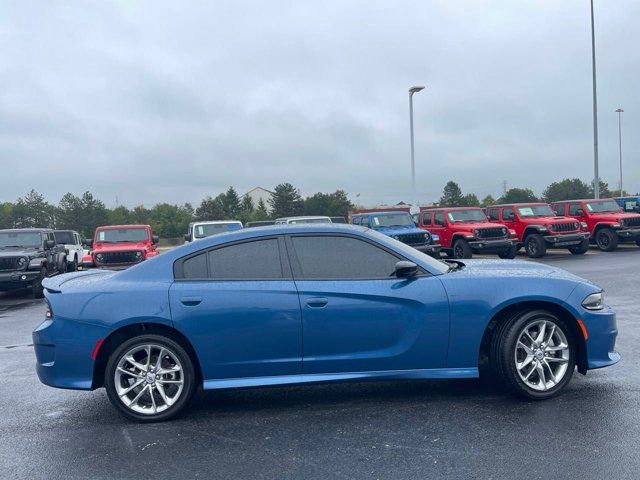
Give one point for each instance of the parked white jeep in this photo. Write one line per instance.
(198, 230)
(73, 246)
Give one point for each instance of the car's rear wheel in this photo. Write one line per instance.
(534, 354)
(72, 266)
(535, 246)
(607, 240)
(461, 249)
(580, 249)
(149, 378)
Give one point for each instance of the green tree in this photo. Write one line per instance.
(451, 195)
(6, 215)
(567, 189)
(120, 215)
(246, 209)
(69, 212)
(93, 214)
(230, 203)
(470, 200)
(210, 209)
(518, 195)
(140, 215)
(488, 201)
(33, 211)
(260, 213)
(286, 201)
(604, 190)
(170, 221)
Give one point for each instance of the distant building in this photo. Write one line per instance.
(257, 194)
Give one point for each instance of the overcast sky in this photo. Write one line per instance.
(172, 101)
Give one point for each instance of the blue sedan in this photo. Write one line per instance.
(309, 304)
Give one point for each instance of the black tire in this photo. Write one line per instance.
(461, 249)
(188, 372)
(638, 242)
(72, 266)
(580, 249)
(535, 246)
(508, 253)
(607, 240)
(503, 353)
(36, 287)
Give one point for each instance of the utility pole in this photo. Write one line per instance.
(596, 179)
(619, 112)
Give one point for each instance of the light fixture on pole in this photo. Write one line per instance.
(619, 112)
(412, 90)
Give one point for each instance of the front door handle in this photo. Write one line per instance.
(317, 302)
(191, 301)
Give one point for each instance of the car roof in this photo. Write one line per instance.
(214, 222)
(115, 227)
(64, 231)
(26, 230)
(302, 217)
(388, 212)
(430, 209)
(517, 204)
(583, 200)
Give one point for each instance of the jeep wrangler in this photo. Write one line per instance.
(117, 247)
(538, 228)
(27, 256)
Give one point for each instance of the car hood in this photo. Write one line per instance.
(18, 252)
(398, 230)
(513, 269)
(119, 247)
(70, 280)
(613, 217)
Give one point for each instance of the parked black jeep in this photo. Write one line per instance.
(27, 256)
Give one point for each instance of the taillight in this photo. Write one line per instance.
(48, 313)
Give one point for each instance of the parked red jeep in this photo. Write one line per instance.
(120, 246)
(464, 231)
(606, 223)
(537, 228)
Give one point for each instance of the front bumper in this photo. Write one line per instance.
(628, 234)
(17, 279)
(63, 352)
(602, 329)
(432, 250)
(566, 240)
(490, 245)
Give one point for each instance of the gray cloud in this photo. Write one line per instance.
(167, 101)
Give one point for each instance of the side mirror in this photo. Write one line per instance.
(187, 237)
(155, 239)
(405, 269)
(49, 244)
(88, 242)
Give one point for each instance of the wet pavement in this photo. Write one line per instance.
(415, 429)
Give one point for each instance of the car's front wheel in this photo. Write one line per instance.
(580, 249)
(508, 253)
(149, 378)
(461, 249)
(607, 240)
(534, 354)
(535, 246)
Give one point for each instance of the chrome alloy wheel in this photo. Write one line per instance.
(149, 379)
(542, 355)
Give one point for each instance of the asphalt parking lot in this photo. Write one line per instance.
(418, 429)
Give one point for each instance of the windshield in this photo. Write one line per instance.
(116, 235)
(20, 239)
(393, 220)
(310, 220)
(434, 266)
(605, 206)
(536, 211)
(467, 216)
(206, 230)
(64, 238)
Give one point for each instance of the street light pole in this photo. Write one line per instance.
(412, 90)
(619, 112)
(596, 181)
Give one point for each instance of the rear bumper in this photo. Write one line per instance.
(17, 279)
(566, 240)
(63, 352)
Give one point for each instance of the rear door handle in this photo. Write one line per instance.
(191, 301)
(317, 302)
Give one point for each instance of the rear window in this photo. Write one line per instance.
(64, 238)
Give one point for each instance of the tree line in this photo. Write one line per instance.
(85, 212)
(566, 189)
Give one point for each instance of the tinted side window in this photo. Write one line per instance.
(438, 219)
(195, 267)
(573, 209)
(493, 214)
(258, 259)
(507, 213)
(332, 257)
(561, 209)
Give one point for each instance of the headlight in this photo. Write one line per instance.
(426, 237)
(396, 237)
(476, 232)
(22, 261)
(577, 225)
(99, 257)
(504, 231)
(595, 301)
(138, 256)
